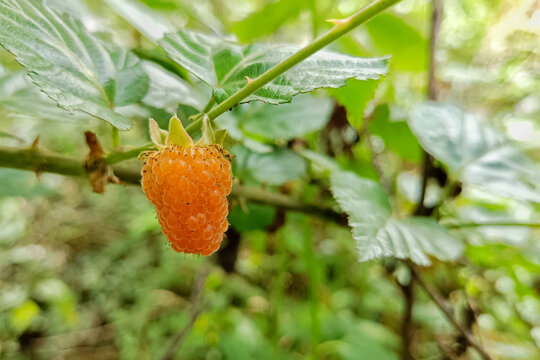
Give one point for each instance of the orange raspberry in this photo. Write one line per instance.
(189, 188)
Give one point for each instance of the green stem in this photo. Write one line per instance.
(38, 161)
(115, 138)
(314, 19)
(34, 160)
(492, 223)
(210, 105)
(117, 157)
(341, 28)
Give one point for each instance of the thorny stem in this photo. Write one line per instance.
(39, 161)
(340, 28)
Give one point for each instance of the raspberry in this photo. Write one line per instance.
(189, 188)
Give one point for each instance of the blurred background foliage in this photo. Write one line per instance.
(88, 276)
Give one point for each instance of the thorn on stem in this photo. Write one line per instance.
(35, 143)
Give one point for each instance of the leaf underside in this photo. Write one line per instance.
(476, 153)
(379, 234)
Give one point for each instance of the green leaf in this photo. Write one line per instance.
(378, 234)
(268, 19)
(166, 90)
(392, 35)
(396, 135)
(254, 217)
(274, 168)
(355, 97)
(69, 64)
(224, 65)
(22, 316)
(149, 23)
(474, 152)
(17, 92)
(287, 121)
(4, 134)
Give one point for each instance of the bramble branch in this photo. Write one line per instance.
(341, 27)
(39, 161)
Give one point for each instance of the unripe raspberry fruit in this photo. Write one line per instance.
(189, 188)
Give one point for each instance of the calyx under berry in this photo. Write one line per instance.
(177, 134)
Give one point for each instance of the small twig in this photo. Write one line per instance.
(195, 299)
(441, 303)
(407, 321)
(460, 225)
(432, 94)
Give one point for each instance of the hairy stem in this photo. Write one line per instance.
(340, 28)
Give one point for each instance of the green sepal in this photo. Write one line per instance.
(157, 135)
(208, 137)
(177, 134)
(220, 136)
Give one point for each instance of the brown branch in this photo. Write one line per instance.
(407, 321)
(432, 94)
(439, 300)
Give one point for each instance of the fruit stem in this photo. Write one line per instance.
(115, 138)
(210, 105)
(340, 28)
(117, 157)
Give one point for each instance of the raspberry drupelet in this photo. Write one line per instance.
(189, 188)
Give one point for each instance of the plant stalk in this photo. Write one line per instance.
(117, 157)
(115, 138)
(39, 161)
(340, 28)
